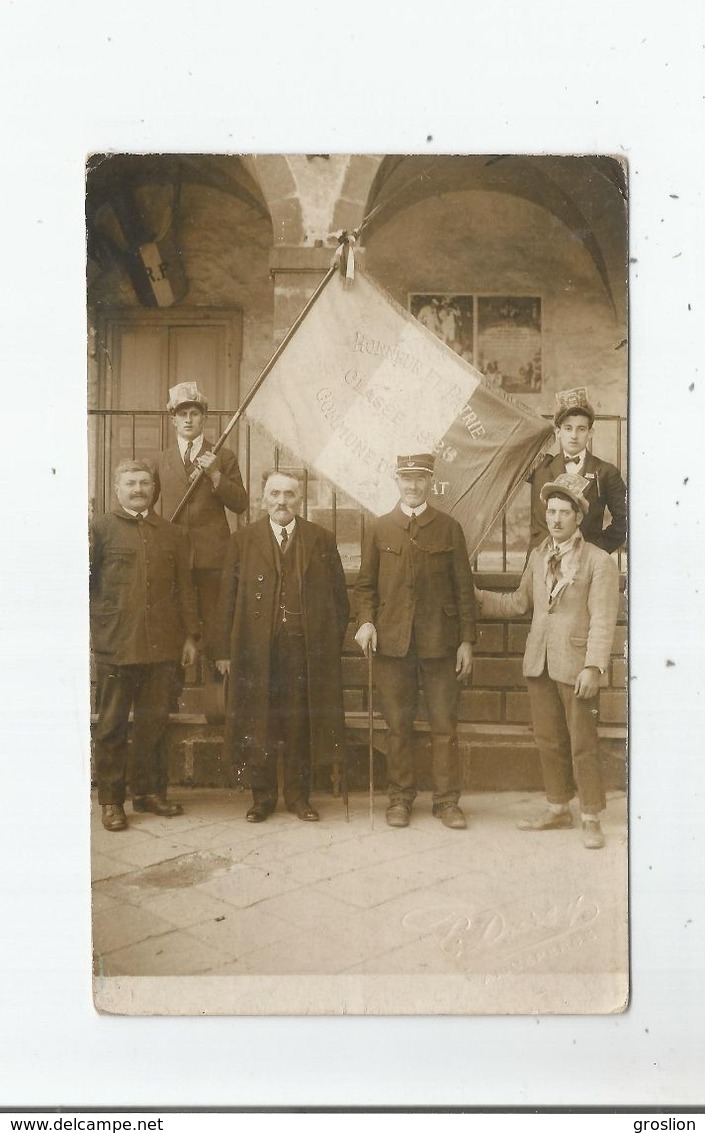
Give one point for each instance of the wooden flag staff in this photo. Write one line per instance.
(341, 259)
(344, 261)
(371, 735)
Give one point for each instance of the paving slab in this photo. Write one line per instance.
(173, 953)
(130, 926)
(187, 908)
(244, 886)
(239, 932)
(321, 954)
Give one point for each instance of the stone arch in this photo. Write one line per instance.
(344, 184)
(355, 193)
(278, 186)
(587, 195)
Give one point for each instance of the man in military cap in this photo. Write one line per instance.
(573, 421)
(416, 613)
(572, 587)
(204, 516)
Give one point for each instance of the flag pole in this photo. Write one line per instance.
(343, 259)
(199, 473)
(371, 735)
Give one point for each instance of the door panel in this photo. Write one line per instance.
(144, 354)
(143, 359)
(197, 354)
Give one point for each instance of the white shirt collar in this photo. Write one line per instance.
(196, 446)
(568, 544)
(277, 529)
(414, 510)
(129, 511)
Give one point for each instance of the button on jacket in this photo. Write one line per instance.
(423, 585)
(142, 600)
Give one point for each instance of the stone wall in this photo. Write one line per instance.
(493, 243)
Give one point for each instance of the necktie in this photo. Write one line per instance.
(188, 465)
(572, 460)
(413, 527)
(554, 567)
(284, 540)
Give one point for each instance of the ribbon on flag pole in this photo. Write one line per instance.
(345, 257)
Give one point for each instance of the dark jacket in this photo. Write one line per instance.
(204, 515)
(606, 490)
(246, 620)
(427, 587)
(142, 601)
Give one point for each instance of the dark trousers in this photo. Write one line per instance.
(147, 689)
(565, 730)
(397, 681)
(288, 725)
(207, 586)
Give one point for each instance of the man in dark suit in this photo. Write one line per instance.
(282, 616)
(573, 421)
(416, 612)
(143, 626)
(204, 516)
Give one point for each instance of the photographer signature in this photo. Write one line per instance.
(502, 930)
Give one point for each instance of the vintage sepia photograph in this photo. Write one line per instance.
(357, 468)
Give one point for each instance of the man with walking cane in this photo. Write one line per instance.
(416, 614)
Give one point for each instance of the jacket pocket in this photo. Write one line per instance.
(117, 571)
(105, 629)
(438, 558)
(581, 642)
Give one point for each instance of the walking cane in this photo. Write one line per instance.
(370, 730)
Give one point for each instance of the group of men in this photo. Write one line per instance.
(267, 608)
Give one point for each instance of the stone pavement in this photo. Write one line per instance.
(209, 894)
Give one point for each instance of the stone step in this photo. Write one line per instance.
(493, 758)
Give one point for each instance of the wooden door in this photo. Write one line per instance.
(143, 354)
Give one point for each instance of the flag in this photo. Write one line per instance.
(362, 381)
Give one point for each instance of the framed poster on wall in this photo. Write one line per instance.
(498, 334)
(450, 317)
(509, 342)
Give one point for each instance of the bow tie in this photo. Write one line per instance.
(573, 459)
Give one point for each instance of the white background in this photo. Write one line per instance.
(500, 77)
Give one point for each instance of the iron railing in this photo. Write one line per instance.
(115, 434)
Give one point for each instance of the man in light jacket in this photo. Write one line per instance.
(572, 587)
